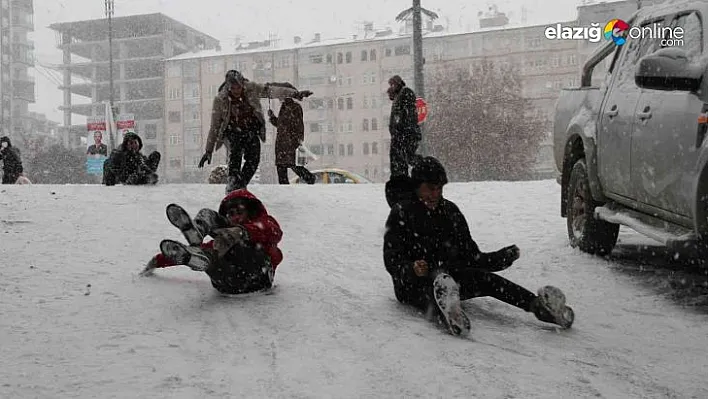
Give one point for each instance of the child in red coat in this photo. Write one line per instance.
(244, 253)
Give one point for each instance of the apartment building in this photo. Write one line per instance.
(16, 58)
(346, 120)
(140, 45)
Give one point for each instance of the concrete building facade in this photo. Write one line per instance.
(17, 86)
(346, 120)
(141, 43)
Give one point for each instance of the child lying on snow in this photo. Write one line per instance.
(243, 255)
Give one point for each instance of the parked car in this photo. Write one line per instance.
(333, 176)
(631, 146)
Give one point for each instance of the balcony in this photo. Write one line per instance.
(24, 93)
(23, 53)
(26, 5)
(23, 20)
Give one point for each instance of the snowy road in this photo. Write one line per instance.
(332, 327)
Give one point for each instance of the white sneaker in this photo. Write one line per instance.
(447, 297)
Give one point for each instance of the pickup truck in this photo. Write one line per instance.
(630, 143)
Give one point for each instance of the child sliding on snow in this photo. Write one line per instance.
(243, 255)
(434, 262)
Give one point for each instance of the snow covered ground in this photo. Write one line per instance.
(77, 321)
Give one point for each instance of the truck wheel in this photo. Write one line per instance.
(591, 235)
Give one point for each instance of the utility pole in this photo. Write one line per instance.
(109, 6)
(416, 13)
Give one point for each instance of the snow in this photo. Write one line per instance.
(77, 321)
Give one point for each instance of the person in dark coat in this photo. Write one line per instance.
(126, 165)
(291, 133)
(427, 235)
(403, 127)
(12, 161)
(237, 121)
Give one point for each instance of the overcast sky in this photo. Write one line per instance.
(254, 20)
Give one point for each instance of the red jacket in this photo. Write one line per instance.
(263, 230)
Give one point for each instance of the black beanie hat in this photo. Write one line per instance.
(428, 170)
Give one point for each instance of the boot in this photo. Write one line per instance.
(549, 306)
(181, 254)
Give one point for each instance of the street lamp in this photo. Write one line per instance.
(416, 12)
(109, 7)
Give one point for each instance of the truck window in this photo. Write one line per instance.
(635, 49)
(692, 34)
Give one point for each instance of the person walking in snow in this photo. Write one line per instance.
(243, 254)
(12, 161)
(291, 134)
(434, 262)
(127, 165)
(237, 120)
(403, 127)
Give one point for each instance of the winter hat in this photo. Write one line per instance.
(397, 79)
(234, 76)
(428, 170)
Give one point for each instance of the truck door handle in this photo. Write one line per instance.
(613, 111)
(646, 114)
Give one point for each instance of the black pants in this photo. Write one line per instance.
(474, 284)
(301, 171)
(246, 145)
(243, 269)
(402, 154)
(10, 178)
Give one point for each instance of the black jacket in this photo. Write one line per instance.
(403, 122)
(125, 165)
(441, 237)
(12, 160)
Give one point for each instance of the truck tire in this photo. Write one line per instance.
(591, 235)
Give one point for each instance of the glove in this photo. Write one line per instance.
(205, 158)
(509, 254)
(304, 93)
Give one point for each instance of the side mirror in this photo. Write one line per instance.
(668, 69)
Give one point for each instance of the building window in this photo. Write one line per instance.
(374, 124)
(330, 149)
(366, 173)
(315, 128)
(350, 103)
(387, 53)
(349, 80)
(365, 148)
(365, 102)
(197, 138)
(174, 93)
(191, 90)
(329, 58)
(317, 103)
(340, 58)
(364, 55)
(403, 50)
(340, 103)
(316, 149)
(150, 131)
(374, 103)
(315, 58)
(174, 139)
(365, 125)
(330, 103)
(341, 149)
(350, 126)
(350, 149)
(175, 163)
(215, 67)
(376, 171)
(174, 117)
(374, 148)
(372, 55)
(349, 57)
